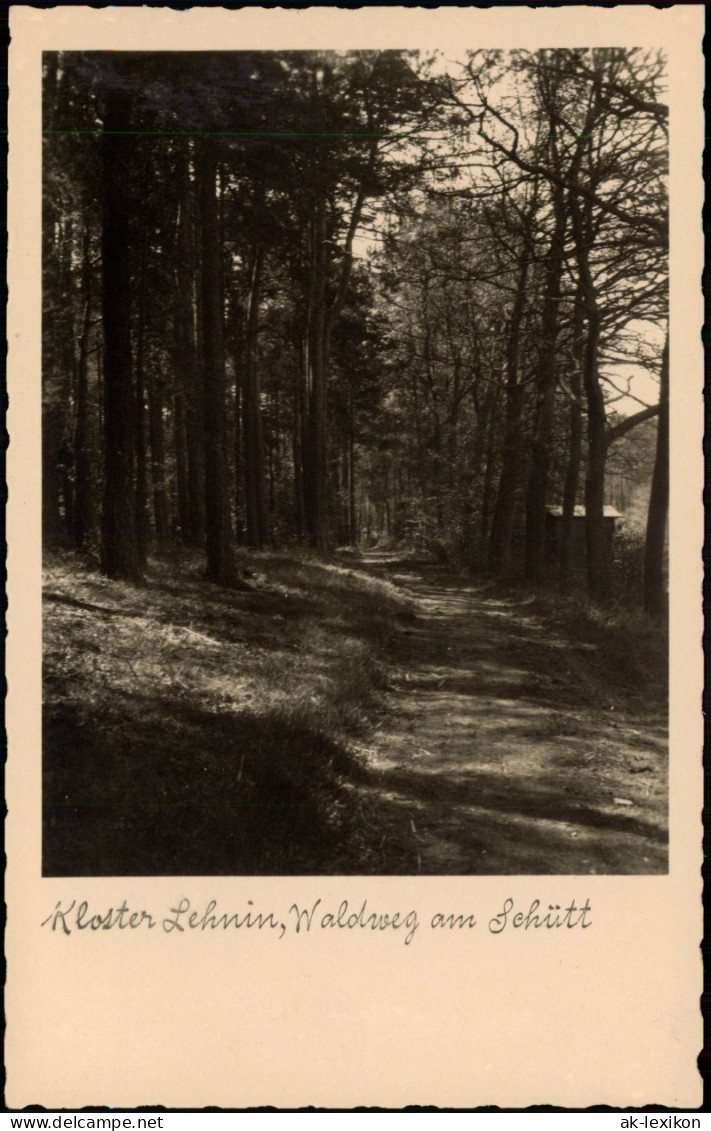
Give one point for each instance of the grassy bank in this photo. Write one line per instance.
(627, 651)
(193, 730)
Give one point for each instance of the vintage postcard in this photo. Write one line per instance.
(354, 524)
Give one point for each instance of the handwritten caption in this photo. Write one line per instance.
(315, 917)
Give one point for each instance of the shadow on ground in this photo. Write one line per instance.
(164, 788)
(503, 745)
(513, 748)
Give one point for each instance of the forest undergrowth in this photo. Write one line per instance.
(192, 729)
(627, 649)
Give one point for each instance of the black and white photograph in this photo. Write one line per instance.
(355, 462)
(355, 515)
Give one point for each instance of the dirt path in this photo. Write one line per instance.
(506, 750)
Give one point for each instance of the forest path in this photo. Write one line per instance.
(509, 749)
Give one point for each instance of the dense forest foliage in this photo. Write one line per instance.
(324, 298)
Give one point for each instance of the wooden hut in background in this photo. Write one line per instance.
(554, 532)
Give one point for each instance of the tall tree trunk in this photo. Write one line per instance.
(67, 495)
(252, 432)
(436, 461)
(187, 367)
(575, 446)
(475, 536)
(570, 490)
(155, 430)
(316, 378)
(52, 526)
(598, 564)
(83, 487)
(119, 544)
(272, 451)
(437, 469)
(238, 461)
(655, 598)
(142, 520)
(181, 463)
(352, 524)
(596, 543)
(545, 399)
(194, 436)
(58, 368)
(238, 339)
(339, 473)
(502, 526)
(321, 320)
(221, 566)
(487, 494)
(298, 458)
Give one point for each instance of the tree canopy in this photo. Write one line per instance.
(323, 298)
